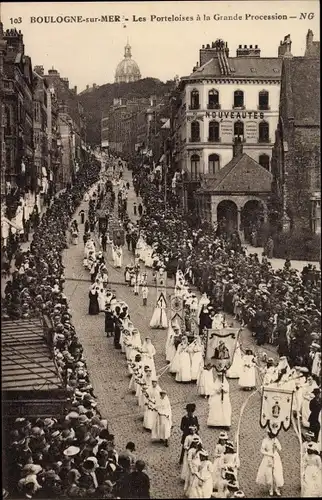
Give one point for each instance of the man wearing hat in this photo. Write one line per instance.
(188, 421)
(315, 409)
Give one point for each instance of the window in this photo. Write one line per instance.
(37, 111)
(213, 99)
(263, 132)
(7, 122)
(194, 99)
(213, 164)
(195, 163)
(195, 132)
(239, 129)
(264, 161)
(213, 131)
(238, 99)
(316, 216)
(263, 100)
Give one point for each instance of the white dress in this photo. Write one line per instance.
(148, 257)
(148, 357)
(118, 257)
(150, 410)
(270, 472)
(161, 429)
(206, 482)
(183, 373)
(159, 317)
(237, 364)
(170, 348)
(219, 405)
(193, 460)
(101, 299)
(217, 466)
(186, 445)
(312, 476)
(205, 382)
(196, 354)
(247, 376)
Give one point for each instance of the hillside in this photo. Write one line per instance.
(99, 100)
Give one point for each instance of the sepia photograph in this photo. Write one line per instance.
(160, 249)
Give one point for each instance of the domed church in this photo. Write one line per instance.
(127, 70)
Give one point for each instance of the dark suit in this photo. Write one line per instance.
(139, 485)
(109, 323)
(186, 422)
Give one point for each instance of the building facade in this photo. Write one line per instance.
(225, 98)
(296, 162)
(41, 154)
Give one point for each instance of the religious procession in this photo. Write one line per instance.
(197, 313)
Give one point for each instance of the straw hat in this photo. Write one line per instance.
(71, 451)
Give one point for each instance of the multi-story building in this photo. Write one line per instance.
(72, 127)
(20, 174)
(41, 158)
(104, 132)
(296, 161)
(3, 47)
(54, 141)
(223, 99)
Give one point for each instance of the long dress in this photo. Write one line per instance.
(312, 476)
(148, 257)
(162, 426)
(237, 364)
(219, 405)
(118, 257)
(183, 373)
(193, 460)
(186, 445)
(196, 358)
(159, 317)
(217, 468)
(148, 356)
(247, 378)
(150, 410)
(101, 299)
(170, 348)
(270, 472)
(205, 382)
(93, 307)
(205, 473)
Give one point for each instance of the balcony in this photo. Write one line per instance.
(194, 106)
(238, 106)
(213, 105)
(263, 107)
(214, 139)
(264, 140)
(194, 139)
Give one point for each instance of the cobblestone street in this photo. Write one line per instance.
(108, 373)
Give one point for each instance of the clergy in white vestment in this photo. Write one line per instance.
(162, 426)
(219, 404)
(270, 472)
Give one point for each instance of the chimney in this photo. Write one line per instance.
(284, 49)
(213, 51)
(237, 146)
(87, 87)
(251, 51)
(75, 89)
(39, 70)
(309, 39)
(53, 71)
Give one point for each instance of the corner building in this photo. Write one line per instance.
(223, 99)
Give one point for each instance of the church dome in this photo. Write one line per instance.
(127, 70)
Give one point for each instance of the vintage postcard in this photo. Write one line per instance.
(160, 249)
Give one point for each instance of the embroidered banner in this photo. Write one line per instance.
(276, 409)
(220, 348)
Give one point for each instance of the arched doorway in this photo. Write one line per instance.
(227, 216)
(252, 218)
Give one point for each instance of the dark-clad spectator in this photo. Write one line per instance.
(140, 209)
(315, 409)
(139, 482)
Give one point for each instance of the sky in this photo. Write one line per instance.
(88, 52)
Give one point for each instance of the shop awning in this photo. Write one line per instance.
(30, 382)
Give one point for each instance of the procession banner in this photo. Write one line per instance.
(161, 302)
(176, 307)
(220, 348)
(161, 280)
(276, 409)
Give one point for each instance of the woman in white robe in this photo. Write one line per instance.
(137, 373)
(230, 459)
(162, 426)
(193, 460)
(247, 378)
(102, 298)
(143, 385)
(270, 472)
(237, 364)
(150, 408)
(205, 381)
(148, 355)
(118, 257)
(204, 476)
(159, 318)
(219, 404)
(170, 348)
(196, 350)
(312, 472)
(192, 438)
(183, 373)
(217, 463)
(148, 257)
